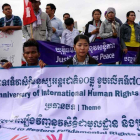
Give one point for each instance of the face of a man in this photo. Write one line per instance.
(35, 5)
(66, 17)
(49, 11)
(7, 11)
(31, 55)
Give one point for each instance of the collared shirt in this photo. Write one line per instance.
(57, 24)
(68, 37)
(16, 22)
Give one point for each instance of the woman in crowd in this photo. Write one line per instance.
(130, 34)
(96, 14)
(82, 57)
(110, 28)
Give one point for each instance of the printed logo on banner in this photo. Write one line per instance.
(20, 138)
(54, 138)
(60, 138)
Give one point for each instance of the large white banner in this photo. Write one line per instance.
(70, 103)
(11, 47)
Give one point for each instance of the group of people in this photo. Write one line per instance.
(50, 28)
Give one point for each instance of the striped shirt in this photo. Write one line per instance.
(16, 22)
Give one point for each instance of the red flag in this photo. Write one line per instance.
(29, 16)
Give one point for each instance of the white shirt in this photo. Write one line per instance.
(68, 37)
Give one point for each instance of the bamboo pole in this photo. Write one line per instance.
(31, 28)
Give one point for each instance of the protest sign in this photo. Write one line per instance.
(11, 47)
(129, 57)
(70, 103)
(104, 51)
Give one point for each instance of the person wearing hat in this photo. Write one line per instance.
(42, 28)
(116, 19)
(110, 28)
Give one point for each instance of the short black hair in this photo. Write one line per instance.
(66, 14)
(96, 10)
(53, 7)
(31, 43)
(69, 21)
(4, 5)
(78, 37)
(128, 13)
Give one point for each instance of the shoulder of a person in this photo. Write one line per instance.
(136, 24)
(76, 30)
(44, 14)
(17, 17)
(124, 25)
(2, 19)
(90, 22)
(117, 23)
(69, 62)
(104, 22)
(65, 31)
(58, 18)
(117, 19)
(92, 60)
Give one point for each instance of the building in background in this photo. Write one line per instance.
(75, 24)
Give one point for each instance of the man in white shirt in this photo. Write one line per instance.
(70, 33)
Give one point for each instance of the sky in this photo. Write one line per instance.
(81, 10)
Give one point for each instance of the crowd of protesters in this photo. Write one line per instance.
(48, 27)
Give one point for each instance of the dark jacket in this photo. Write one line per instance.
(70, 61)
(119, 21)
(87, 26)
(125, 33)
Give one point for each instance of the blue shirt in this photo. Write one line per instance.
(16, 21)
(57, 24)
